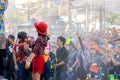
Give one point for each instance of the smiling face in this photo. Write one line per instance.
(93, 51)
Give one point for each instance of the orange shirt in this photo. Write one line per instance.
(46, 57)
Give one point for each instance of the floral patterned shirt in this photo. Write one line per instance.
(40, 45)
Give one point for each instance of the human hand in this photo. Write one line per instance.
(26, 46)
(27, 65)
(71, 69)
(56, 65)
(16, 67)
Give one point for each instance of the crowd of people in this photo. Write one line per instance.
(81, 56)
(78, 57)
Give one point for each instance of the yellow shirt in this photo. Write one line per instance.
(46, 57)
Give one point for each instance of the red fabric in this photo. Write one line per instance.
(21, 54)
(39, 45)
(94, 69)
(41, 28)
(38, 64)
(14, 48)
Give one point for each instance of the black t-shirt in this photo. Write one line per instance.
(62, 55)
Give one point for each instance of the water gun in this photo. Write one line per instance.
(69, 40)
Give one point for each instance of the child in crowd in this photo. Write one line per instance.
(46, 73)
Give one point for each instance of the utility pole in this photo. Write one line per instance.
(28, 14)
(45, 10)
(28, 10)
(104, 15)
(69, 15)
(86, 16)
(100, 18)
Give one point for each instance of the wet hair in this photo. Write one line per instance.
(31, 38)
(11, 36)
(62, 39)
(42, 35)
(22, 35)
(39, 34)
(48, 38)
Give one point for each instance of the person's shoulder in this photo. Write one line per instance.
(66, 50)
(57, 49)
(39, 39)
(64, 47)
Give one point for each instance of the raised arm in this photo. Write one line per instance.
(80, 41)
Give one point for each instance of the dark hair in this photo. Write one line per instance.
(62, 39)
(48, 38)
(39, 34)
(31, 37)
(11, 36)
(42, 35)
(22, 35)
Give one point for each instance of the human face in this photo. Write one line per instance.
(93, 52)
(26, 39)
(59, 42)
(117, 50)
(101, 52)
(10, 40)
(47, 51)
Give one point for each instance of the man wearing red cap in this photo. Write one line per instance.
(95, 61)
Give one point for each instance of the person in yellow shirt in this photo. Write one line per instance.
(46, 54)
(46, 72)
